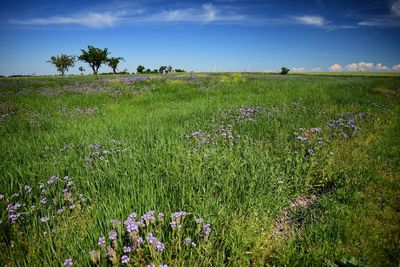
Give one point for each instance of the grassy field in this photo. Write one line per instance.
(247, 170)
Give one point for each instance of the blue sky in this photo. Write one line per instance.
(222, 35)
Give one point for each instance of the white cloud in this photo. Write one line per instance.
(361, 66)
(310, 20)
(381, 67)
(396, 67)
(298, 69)
(335, 67)
(91, 19)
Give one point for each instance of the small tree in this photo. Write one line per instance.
(155, 71)
(62, 62)
(140, 69)
(95, 57)
(284, 71)
(169, 68)
(113, 62)
(163, 69)
(82, 70)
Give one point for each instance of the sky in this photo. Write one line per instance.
(219, 35)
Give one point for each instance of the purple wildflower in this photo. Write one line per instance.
(132, 216)
(16, 194)
(14, 217)
(199, 221)
(187, 241)
(43, 199)
(127, 249)
(112, 235)
(72, 207)
(157, 244)
(160, 216)
(60, 210)
(44, 219)
(139, 241)
(102, 241)
(131, 226)
(178, 215)
(124, 259)
(206, 231)
(302, 138)
(27, 189)
(13, 208)
(68, 262)
(149, 217)
(151, 265)
(53, 179)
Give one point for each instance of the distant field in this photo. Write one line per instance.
(246, 169)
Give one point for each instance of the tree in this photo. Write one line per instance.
(62, 62)
(113, 62)
(140, 69)
(82, 70)
(284, 71)
(169, 68)
(163, 69)
(95, 57)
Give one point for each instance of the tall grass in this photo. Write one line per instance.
(145, 161)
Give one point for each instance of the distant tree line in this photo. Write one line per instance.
(95, 57)
(162, 69)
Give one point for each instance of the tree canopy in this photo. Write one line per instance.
(113, 63)
(95, 57)
(62, 62)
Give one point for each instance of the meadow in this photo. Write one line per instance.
(200, 170)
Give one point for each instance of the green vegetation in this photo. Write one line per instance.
(284, 71)
(113, 63)
(288, 170)
(95, 57)
(62, 62)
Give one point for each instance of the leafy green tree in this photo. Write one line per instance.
(140, 69)
(62, 62)
(155, 71)
(284, 71)
(163, 69)
(113, 62)
(95, 57)
(82, 70)
(169, 69)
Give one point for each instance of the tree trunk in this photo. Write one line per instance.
(114, 71)
(94, 70)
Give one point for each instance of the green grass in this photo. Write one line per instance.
(241, 187)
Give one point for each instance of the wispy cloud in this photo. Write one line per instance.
(207, 13)
(391, 20)
(310, 20)
(91, 19)
(395, 8)
(122, 13)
